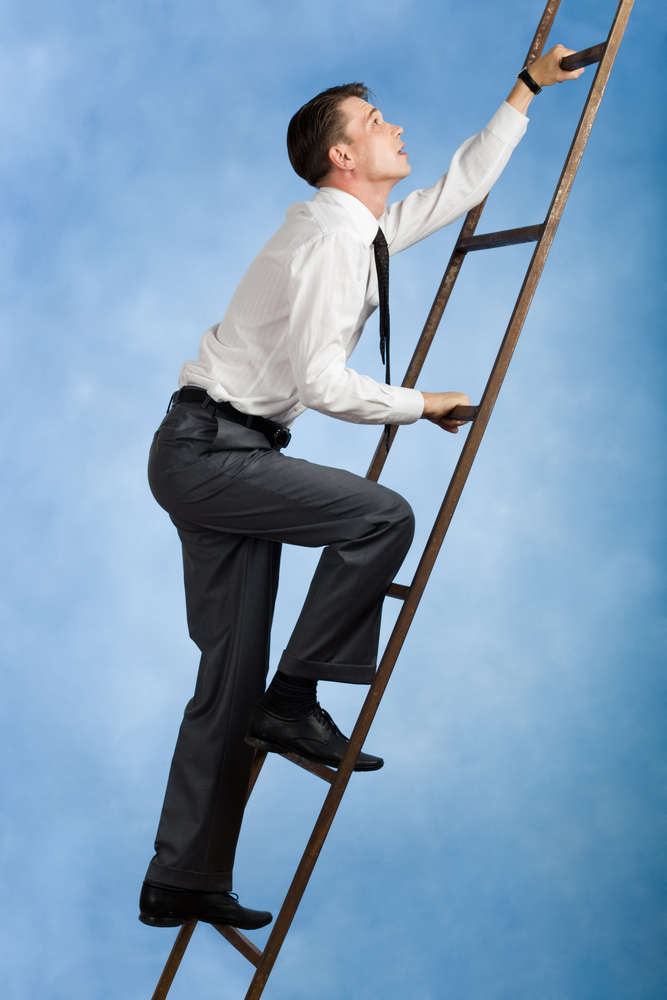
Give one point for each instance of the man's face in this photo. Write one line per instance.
(375, 145)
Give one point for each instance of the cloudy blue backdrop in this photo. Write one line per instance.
(511, 847)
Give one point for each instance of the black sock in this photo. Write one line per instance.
(288, 696)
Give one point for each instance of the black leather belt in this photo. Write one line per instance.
(276, 435)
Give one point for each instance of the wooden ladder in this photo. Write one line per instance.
(542, 235)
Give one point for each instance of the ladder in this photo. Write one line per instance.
(542, 235)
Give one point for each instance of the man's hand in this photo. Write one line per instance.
(545, 71)
(438, 404)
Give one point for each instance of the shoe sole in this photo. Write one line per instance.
(178, 921)
(254, 741)
(162, 921)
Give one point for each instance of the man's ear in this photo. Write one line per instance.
(340, 158)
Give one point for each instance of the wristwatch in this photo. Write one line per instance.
(525, 76)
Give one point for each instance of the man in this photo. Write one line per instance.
(216, 467)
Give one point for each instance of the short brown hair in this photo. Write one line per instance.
(316, 127)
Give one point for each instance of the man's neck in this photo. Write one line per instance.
(372, 194)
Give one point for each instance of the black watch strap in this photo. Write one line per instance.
(525, 76)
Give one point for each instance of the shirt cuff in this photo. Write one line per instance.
(508, 124)
(408, 406)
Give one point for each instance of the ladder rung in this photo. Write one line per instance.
(505, 238)
(398, 590)
(321, 770)
(584, 58)
(464, 412)
(240, 942)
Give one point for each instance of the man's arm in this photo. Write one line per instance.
(545, 71)
(475, 167)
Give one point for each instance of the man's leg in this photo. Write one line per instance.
(223, 478)
(230, 585)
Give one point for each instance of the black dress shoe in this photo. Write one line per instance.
(313, 735)
(164, 906)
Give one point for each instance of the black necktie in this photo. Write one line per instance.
(382, 268)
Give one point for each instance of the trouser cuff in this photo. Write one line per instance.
(179, 878)
(349, 673)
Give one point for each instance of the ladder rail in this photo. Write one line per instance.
(543, 30)
(185, 932)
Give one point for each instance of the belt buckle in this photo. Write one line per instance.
(282, 437)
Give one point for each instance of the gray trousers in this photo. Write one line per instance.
(234, 499)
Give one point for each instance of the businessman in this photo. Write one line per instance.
(217, 466)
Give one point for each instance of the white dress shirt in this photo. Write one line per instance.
(299, 310)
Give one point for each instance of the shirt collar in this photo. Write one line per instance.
(365, 222)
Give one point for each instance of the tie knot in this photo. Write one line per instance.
(380, 239)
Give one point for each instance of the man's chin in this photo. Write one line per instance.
(406, 169)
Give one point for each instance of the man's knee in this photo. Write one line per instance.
(407, 521)
(402, 521)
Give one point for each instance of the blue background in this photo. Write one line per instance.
(512, 847)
